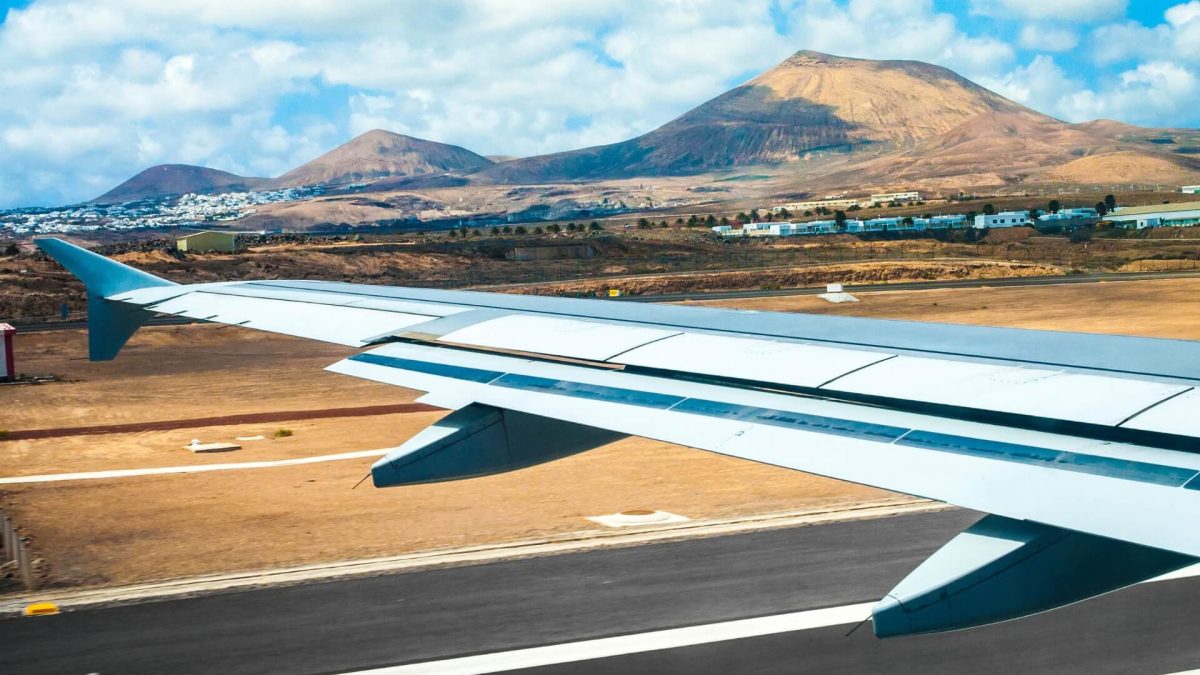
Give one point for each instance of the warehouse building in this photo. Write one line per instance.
(1183, 214)
(207, 241)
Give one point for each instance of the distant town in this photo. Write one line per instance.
(183, 211)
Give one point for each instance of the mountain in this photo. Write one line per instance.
(379, 154)
(167, 180)
(903, 122)
(810, 102)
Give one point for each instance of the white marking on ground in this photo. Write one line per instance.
(194, 468)
(672, 638)
(638, 518)
(601, 648)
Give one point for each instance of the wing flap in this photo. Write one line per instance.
(1000, 569)
(1107, 489)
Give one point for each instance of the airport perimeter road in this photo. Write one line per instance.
(919, 286)
(430, 616)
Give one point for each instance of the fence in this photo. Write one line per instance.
(14, 553)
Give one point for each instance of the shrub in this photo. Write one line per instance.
(282, 433)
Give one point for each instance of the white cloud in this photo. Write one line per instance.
(1041, 85)
(1077, 11)
(895, 29)
(1181, 14)
(1153, 94)
(1047, 39)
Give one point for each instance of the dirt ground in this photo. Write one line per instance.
(116, 531)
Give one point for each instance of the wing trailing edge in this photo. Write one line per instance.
(479, 440)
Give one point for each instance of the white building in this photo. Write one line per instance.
(831, 204)
(947, 221)
(1002, 219)
(1084, 213)
(1183, 214)
(889, 197)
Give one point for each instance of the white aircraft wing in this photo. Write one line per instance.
(1083, 448)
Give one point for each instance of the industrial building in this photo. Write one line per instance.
(898, 197)
(889, 224)
(1002, 219)
(207, 241)
(1182, 214)
(831, 204)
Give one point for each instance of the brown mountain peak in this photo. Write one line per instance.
(379, 154)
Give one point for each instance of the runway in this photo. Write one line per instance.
(430, 616)
(1002, 282)
(1095, 277)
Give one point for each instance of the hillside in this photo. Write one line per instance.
(809, 102)
(379, 154)
(1125, 167)
(167, 180)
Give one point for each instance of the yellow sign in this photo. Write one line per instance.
(614, 293)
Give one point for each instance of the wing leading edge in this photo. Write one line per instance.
(1087, 463)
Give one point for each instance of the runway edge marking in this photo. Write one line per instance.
(636, 643)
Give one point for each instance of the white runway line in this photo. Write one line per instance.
(196, 468)
(585, 650)
(632, 644)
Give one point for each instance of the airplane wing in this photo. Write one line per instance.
(1083, 449)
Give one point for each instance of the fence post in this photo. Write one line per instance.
(24, 564)
(6, 539)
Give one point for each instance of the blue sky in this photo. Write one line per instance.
(97, 90)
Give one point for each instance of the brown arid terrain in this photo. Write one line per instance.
(1122, 167)
(151, 527)
(377, 154)
(124, 530)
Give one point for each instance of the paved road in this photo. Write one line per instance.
(374, 622)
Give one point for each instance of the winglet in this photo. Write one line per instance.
(110, 324)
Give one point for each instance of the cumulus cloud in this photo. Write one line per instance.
(1047, 38)
(1152, 94)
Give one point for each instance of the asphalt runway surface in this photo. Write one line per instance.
(1002, 282)
(359, 624)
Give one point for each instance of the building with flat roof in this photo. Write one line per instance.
(1182, 214)
(1002, 219)
(900, 197)
(204, 242)
(813, 205)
